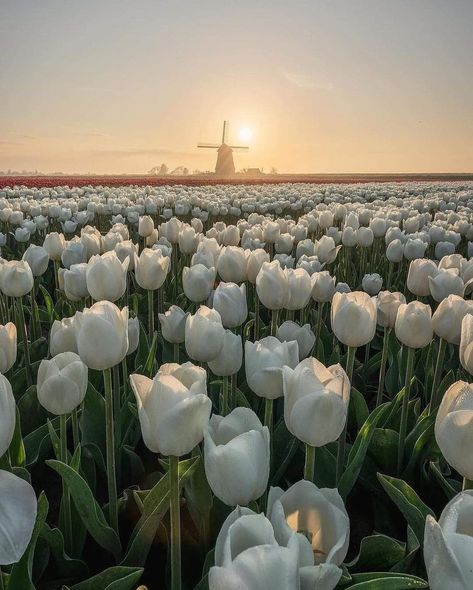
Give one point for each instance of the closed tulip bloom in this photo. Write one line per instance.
(102, 335)
(232, 264)
(303, 335)
(62, 383)
(133, 335)
(315, 401)
(18, 509)
(353, 318)
(255, 261)
(454, 427)
(364, 237)
(54, 245)
(349, 237)
(205, 326)
(418, 276)
(75, 282)
(37, 258)
(466, 344)
(272, 286)
(145, 226)
(323, 286)
(372, 283)
(198, 281)
(173, 324)
(447, 318)
(92, 244)
(151, 269)
(264, 362)
(284, 244)
(271, 231)
(445, 283)
(395, 251)
(321, 513)
(326, 251)
(230, 301)
(444, 249)
(299, 286)
(188, 240)
(8, 348)
(247, 556)
(106, 277)
(414, 249)
(231, 236)
(236, 453)
(230, 358)
(414, 324)
(388, 304)
(16, 278)
(284, 260)
(173, 408)
(127, 250)
(63, 337)
(7, 415)
(22, 235)
(448, 545)
(74, 253)
(305, 248)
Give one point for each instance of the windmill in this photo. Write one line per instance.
(224, 165)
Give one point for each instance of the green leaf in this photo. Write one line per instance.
(20, 576)
(90, 512)
(358, 409)
(447, 486)
(383, 449)
(386, 581)
(38, 442)
(284, 448)
(113, 578)
(377, 552)
(414, 510)
(93, 418)
(151, 359)
(17, 448)
(357, 453)
(199, 499)
(64, 567)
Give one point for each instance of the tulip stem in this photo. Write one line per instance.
(150, 315)
(435, 396)
(405, 408)
(268, 414)
(257, 318)
(343, 437)
(309, 463)
(175, 523)
(274, 321)
(176, 353)
(110, 444)
(2, 587)
(75, 428)
(382, 369)
(319, 330)
(66, 500)
(224, 397)
(21, 321)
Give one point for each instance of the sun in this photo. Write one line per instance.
(245, 134)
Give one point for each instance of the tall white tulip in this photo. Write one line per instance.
(388, 304)
(205, 326)
(466, 344)
(151, 269)
(420, 271)
(198, 281)
(230, 358)
(37, 258)
(353, 317)
(414, 324)
(229, 300)
(106, 277)
(173, 324)
(303, 335)
(447, 318)
(236, 452)
(16, 278)
(8, 346)
(272, 286)
(7, 415)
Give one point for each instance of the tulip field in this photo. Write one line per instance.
(236, 387)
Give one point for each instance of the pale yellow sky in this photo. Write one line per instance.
(324, 85)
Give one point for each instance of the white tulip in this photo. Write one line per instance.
(447, 318)
(198, 281)
(37, 258)
(7, 415)
(388, 305)
(445, 283)
(151, 269)
(173, 324)
(414, 324)
(106, 277)
(205, 326)
(353, 318)
(466, 344)
(230, 358)
(229, 300)
(8, 346)
(420, 271)
(303, 335)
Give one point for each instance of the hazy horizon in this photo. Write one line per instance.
(325, 86)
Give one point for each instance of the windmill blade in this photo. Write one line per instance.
(225, 132)
(240, 148)
(208, 145)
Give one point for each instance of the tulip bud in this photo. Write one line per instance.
(418, 276)
(16, 278)
(445, 283)
(453, 427)
(102, 335)
(197, 282)
(326, 251)
(8, 349)
(145, 226)
(395, 251)
(414, 249)
(173, 408)
(388, 304)
(127, 250)
(349, 237)
(447, 545)
(37, 258)
(151, 269)
(173, 324)
(365, 237)
(62, 337)
(230, 358)
(73, 253)
(234, 445)
(315, 401)
(7, 415)
(62, 383)
(204, 326)
(256, 258)
(232, 264)
(75, 282)
(372, 283)
(230, 301)
(353, 318)
(264, 361)
(414, 324)
(18, 508)
(54, 245)
(303, 335)
(272, 286)
(106, 277)
(448, 317)
(466, 344)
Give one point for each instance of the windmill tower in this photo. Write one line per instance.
(224, 165)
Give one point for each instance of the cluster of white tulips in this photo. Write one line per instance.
(248, 368)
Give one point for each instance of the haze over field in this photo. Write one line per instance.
(324, 86)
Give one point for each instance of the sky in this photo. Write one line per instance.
(325, 86)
